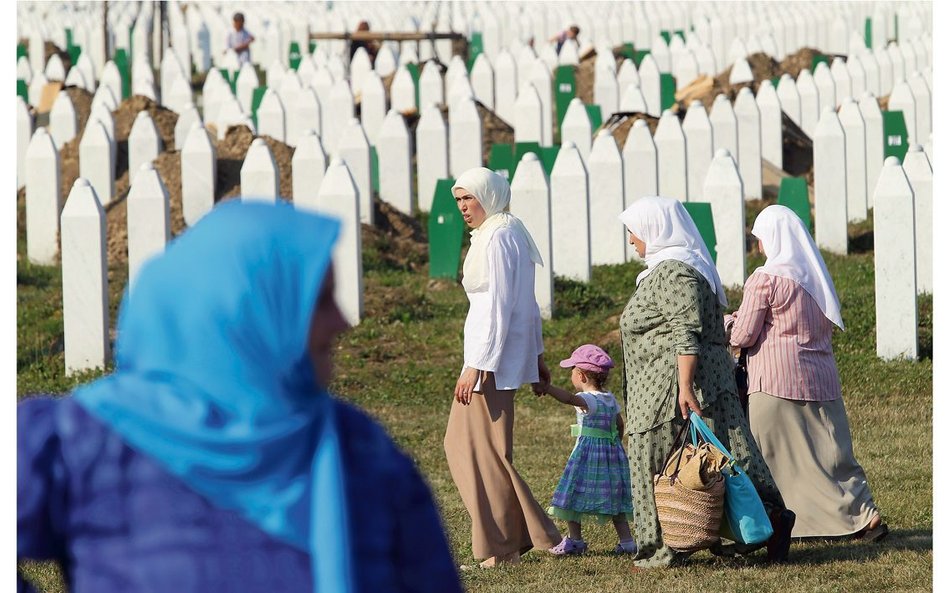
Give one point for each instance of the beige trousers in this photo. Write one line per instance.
(505, 517)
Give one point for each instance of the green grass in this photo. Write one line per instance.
(401, 362)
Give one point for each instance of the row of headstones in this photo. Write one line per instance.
(80, 225)
(906, 82)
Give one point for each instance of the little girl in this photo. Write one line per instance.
(595, 483)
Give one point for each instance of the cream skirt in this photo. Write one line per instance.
(809, 450)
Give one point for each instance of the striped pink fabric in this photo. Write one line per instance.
(789, 340)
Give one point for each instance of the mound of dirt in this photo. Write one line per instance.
(127, 111)
(82, 102)
(494, 130)
(621, 123)
(586, 78)
(396, 240)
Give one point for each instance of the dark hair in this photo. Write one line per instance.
(239, 16)
(599, 379)
(574, 29)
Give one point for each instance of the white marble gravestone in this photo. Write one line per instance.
(271, 116)
(308, 167)
(24, 132)
(895, 265)
(431, 145)
(606, 200)
(95, 161)
(606, 92)
(829, 183)
(626, 76)
(672, 157)
(149, 218)
(340, 111)
(633, 100)
(539, 76)
(577, 128)
(403, 91)
(902, 99)
(482, 80)
(528, 115)
(339, 196)
(855, 129)
(923, 106)
(875, 147)
(725, 191)
(36, 89)
(354, 150)
(259, 176)
(188, 117)
(465, 137)
(699, 145)
(85, 280)
(198, 174)
(809, 102)
(506, 85)
(43, 198)
(651, 85)
(430, 84)
(307, 114)
(530, 202)
(373, 105)
(63, 124)
(771, 124)
(790, 98)
(842, 80)
(826, 86)
(749, 143)
(918, 170)
(569, 196)
(394, 153)
(144, 143)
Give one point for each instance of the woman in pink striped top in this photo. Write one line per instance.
(795, 405)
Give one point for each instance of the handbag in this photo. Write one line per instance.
(690, 518)
(741, 378)
(747, 521)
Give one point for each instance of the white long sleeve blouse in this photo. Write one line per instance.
(503, 331)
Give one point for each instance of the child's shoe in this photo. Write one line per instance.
(569, 547)
(626, 548)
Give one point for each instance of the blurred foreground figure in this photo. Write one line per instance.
(213, 458)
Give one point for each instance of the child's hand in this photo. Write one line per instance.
(540, 387)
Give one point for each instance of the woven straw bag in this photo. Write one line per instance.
(690, 518)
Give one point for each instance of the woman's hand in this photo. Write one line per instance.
(688, 401)
(539, 388)
(464, 389)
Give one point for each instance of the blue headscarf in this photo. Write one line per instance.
(214, 381)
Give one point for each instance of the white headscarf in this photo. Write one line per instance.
(791, 253)
(493, 193)
(668, 232)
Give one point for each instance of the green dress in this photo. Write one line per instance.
(675, 311)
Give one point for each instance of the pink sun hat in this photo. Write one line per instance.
(589, 357)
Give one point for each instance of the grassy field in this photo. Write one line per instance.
(400, 364)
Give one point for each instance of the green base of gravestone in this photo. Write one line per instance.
(639, 55)
(22, 89)
(21, 51)
(817, 58)
(295, 56)
(564, 90)
(594, 112)
(894, 134)
(667, 90)
(701, 213)
(794, 195)
(445, 233)
(548, 157)
(374, 168)
(121, 60)
(415, 77)
(520, 149)
(501, 160)
(475, 48)
(258, 94)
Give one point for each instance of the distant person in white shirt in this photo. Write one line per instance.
(240, 39)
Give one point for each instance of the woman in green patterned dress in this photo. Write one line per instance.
(676, 361)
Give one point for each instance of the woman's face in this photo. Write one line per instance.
(639, 244)
(328, 322)
(472, 211)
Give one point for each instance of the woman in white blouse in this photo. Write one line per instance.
(503, 349)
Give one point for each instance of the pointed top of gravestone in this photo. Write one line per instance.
(765, 83)
(696, 104)
(353, 121)
(41, 131)
(258, 142)
(83, 182)
(720, 98)
(892, 161)
(915, 148)
(744, 91)
(847, 101)
(829, 110)
(530, 156)
(639, 123)
(722, 153)
(146, 167)
(603, 133)
(198, 124)
(337, 162)
(569, 145)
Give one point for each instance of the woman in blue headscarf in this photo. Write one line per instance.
(213, 458)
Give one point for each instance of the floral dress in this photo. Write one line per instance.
(595, 483)
(675, 312)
